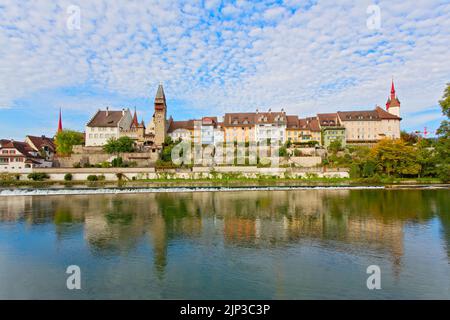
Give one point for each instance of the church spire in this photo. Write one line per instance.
(392, 89)
(60, 128)
(160, 96)
(392, 103)
(135, 120)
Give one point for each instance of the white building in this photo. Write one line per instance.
(19, 157)
(106, 125)
(270, 125)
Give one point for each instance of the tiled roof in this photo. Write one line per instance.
(292, 122)
(106, 119)
(243, 119)
(386, 115)
(187, 125)
(366, 115)
(313, 124)
(239, 119)
(22, 147)
(328, 119)
(40, 142)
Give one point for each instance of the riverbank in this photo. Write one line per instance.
(230, 182)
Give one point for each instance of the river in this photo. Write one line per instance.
(241, 244)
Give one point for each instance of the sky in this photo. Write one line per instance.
(217, 56)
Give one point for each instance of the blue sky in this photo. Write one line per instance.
(218, 56)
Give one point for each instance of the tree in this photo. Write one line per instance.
(443, 143)
(66, 139)
(395, 157)
(123, 144)
(335, 146)
(445, 102)
(409, 138)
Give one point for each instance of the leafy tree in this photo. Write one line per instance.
(409, 138)
(443, 143)
(168, 141)
(445, 102)
(395, 157)
(123, 144)
(335, 146)
(66, 139)
(426, 157)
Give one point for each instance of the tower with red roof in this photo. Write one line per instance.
(60, 127)
(393, 104)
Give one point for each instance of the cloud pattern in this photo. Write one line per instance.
(215, 56)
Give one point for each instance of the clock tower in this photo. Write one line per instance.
(159, 120)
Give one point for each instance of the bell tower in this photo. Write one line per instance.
(393, 104)
(160, 116)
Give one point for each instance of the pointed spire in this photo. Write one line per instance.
(392, 87)
(135, 120)
(160, 93)
(60, 128)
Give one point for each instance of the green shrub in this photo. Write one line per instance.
(38, 176)
(117, 162)
(92, 177)
(68, 177)
(297, 153)
(77, 165)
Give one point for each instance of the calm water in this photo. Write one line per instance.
(298, 244)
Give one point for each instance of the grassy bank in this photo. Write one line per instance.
(231, 182)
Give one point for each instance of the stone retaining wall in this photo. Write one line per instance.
(111, 174)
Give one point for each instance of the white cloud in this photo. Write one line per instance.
(247, 55)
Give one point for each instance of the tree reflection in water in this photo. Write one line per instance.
(356, 220)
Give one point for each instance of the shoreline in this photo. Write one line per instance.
(130, 187)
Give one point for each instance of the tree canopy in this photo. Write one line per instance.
(123, 144)
(66, 139)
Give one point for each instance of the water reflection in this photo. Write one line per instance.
(348, 220)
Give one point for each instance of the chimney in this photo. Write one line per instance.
(270, 110)
(123, 111)
(107, 111)
(257, 110)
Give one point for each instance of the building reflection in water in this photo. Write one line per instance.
(356, 220)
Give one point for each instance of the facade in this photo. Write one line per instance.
(18, 156)
(159, 117)
(105, 125)
(239, 127)
(369, 126)
(255, 126)
(43, 145)
(366, 126)
(331, 129)
(270, 126)
(302, 130)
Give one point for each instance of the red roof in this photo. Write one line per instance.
(42, 141)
